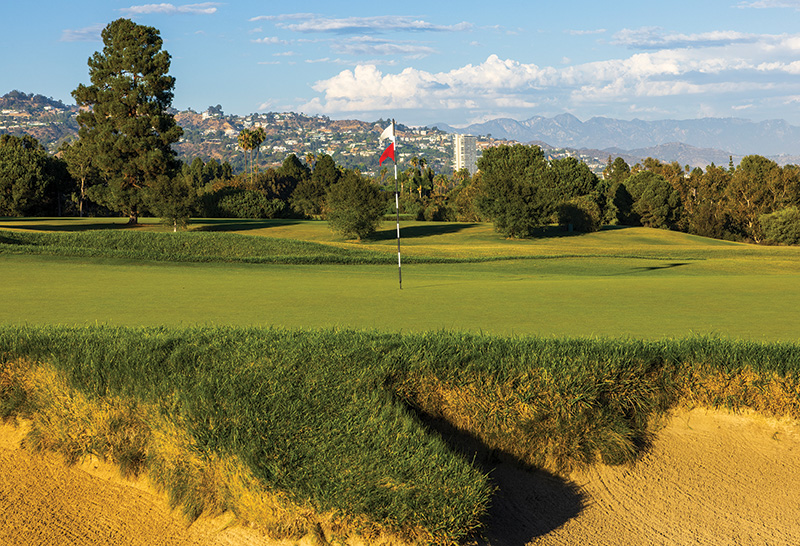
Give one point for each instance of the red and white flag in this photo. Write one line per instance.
(388, 153)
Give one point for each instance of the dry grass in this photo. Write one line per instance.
(139, 440)
(768, 393)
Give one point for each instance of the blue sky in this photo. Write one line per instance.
(427, 62)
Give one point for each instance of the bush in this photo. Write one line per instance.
(782, 227)
(582, 213)
(241, 203)
(411, 205)
(355, 206)
(437, 210)
(463, 200)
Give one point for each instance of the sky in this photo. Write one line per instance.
(436, 61)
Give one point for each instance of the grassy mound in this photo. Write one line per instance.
(287, 426)
(183, 247)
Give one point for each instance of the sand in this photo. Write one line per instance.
(710, 477)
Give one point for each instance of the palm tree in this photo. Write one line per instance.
(244, 141)
(256, 138)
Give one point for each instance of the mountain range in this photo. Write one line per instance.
(687, 141)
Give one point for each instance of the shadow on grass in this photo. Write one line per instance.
(412, 232)
(557, 232)
(647, 269)
(241, 224)
(664, 266)
(67, 224)
(528, 503)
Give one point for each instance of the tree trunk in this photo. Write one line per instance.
(82, 197)
(133, 218)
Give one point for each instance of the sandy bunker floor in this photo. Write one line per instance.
(710, 478)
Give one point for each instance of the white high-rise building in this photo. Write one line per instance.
(465, 153)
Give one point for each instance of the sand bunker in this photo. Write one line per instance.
(710, 478)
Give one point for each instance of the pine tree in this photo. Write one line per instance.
(125, 124)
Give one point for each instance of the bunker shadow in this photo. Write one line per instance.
(528, 503)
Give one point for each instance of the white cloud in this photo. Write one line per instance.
(764, 4)
(585, 32)
(87, 34)
(285, 17)
(653, 38)
(366, 45)
(740, 70)
(269, 40)
(357, 25)
(205, 8)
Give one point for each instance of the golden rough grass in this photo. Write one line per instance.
(770, 394)
(140, 440)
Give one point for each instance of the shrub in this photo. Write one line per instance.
(437, 210)
(411, 206)
(782, 227)
(355, 206)
(582, 213)
(242, 203)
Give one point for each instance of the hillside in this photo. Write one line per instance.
(47, 120)
(354, 143)
(212, 134)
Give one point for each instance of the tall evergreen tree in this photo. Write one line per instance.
(124, 122)
(519, 190)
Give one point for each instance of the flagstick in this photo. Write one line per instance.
(397, 209)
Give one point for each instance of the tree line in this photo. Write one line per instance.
(756, 201)
(123, 163)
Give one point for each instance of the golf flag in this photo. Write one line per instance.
(388, 133)
(388, 153)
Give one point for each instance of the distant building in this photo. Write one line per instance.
(465, 153)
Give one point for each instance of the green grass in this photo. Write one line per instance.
(634, 282)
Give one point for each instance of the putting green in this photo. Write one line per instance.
(618, 297)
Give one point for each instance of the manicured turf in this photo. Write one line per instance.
(633, 282)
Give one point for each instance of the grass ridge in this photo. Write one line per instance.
(213, 247)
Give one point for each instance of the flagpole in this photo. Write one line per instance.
(397, 210)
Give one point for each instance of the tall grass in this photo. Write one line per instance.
(334, 422)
